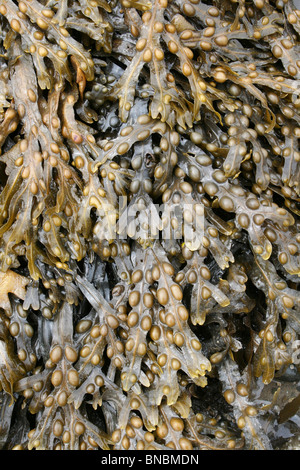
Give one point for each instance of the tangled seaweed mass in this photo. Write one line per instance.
(177, 332)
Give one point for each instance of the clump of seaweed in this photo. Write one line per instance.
(149, 224)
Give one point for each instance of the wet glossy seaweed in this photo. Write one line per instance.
(110, 339)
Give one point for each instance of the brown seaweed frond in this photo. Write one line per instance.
(149, 224)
